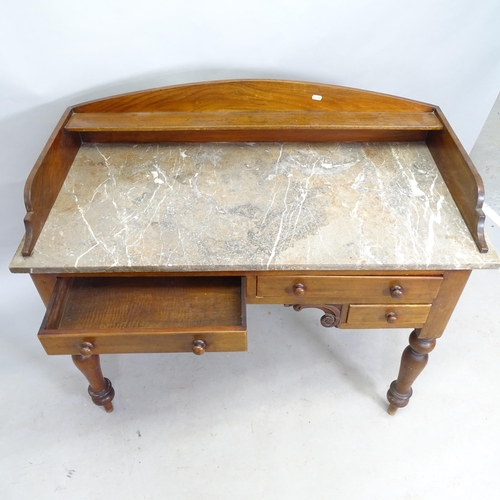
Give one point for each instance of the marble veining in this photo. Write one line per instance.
(253, 206)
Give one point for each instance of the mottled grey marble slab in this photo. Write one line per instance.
(235, 206)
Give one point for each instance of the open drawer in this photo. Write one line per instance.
(99, 315)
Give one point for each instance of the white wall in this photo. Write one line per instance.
(56, 53)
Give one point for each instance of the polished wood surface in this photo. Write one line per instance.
(348, 289)
(46, 179)
(257, 135)
(251, 95)
(461, 177)
(100, 388)
(44, 284)
(387, 315)
(312, 126)
(444, 304)
(125, 315)
(413, 361)
(148, 303)
(129, 341)
(239, 120)
(332, 312)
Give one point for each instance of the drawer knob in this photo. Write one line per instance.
(391, 317)
(396, 291)
(199, 346)
(86, 349)
(299, 289)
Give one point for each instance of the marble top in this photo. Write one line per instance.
(253, 206)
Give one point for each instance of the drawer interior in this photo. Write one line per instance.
(145, 314)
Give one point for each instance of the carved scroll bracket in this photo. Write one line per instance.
(332, 312)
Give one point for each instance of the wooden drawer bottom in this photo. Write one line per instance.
(150, 314)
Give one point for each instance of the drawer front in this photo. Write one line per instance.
(387, 316)
(99, 315)
(123, 342)
(345, 289)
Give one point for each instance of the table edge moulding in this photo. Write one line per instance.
(328, 153)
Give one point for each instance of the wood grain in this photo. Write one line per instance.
(126, 341)
(444, 304)
(375, 316)
(100, 388)
(312, 126)
(148, 303)
(256, 135)
(44, 284)
(253, 120)
(461, 177)
(250, 95)
(345, 289)
(120, 315)
(413, 361)
(46, 178)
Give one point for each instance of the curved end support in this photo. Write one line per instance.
(479, 235)
(28, 244)
(461, 176)
(45, 180)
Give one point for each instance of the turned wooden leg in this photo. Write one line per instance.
(100, 389)
(413, 361)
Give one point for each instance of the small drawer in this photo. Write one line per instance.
(387, 316)
(145, 314)
(345, 289)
